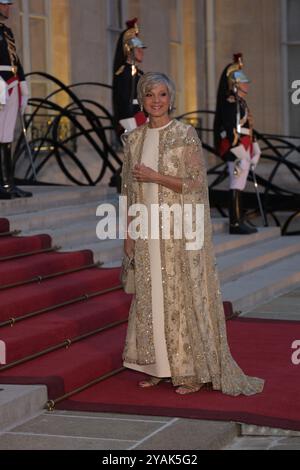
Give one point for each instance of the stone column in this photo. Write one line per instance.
(89, 47)
(60, 34)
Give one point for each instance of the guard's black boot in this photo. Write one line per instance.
(20, 193)
(116, 181)
(13, 190)
(237, 226)
(6, 176)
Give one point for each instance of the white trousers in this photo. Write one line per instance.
(8, 116)
(239, 181)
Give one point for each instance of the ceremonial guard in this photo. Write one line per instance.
(129, 55)
(234, 139)
(13, 98)
(127, 114)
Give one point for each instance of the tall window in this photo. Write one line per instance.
(176, 51)
(34, 18)
(117, 15)
(291, 43)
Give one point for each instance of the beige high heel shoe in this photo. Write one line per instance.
(188, 389)
(151, 382)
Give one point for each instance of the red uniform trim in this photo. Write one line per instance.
(15, 79)
(140, 118)
(225, 144)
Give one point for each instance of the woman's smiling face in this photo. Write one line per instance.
(157, 101)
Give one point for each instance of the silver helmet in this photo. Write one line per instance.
(5, 2)
(131, 39)
(235, 73)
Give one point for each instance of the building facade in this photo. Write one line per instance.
(191, 40)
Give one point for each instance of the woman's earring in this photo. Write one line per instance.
(142, 108)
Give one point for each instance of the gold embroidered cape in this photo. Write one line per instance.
(195, 328)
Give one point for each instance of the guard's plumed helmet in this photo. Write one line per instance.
(235, 74)
(131, 40)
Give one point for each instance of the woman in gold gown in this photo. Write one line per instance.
(176, 326)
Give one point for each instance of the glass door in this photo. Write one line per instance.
(35, 38)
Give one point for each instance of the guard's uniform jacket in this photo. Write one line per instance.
(237, 145)
(235, 129)
(9, 56)
(126, 107)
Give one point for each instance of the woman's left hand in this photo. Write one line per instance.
(144, 174)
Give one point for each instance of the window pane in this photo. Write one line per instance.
(115, 14)
(20, 5)
(174, 30)
(37, 7)
(38, 44)
(39, 90)
(293, 20)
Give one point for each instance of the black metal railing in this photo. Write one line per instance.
(82, 119)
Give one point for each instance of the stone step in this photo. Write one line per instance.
(263, 431)
(223, 245)
(75, 228)
(51, 197)
(19, 403)
(248, 259)
(59, 217)
(81, 213)
(72, 235)
(220, 225)
(250, 290)
(226, 243)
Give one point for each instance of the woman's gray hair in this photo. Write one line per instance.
(150, 80)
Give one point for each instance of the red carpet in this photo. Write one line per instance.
(4, 225)
(67, 322)
(262, 349)
(41, 265)
(10, 246)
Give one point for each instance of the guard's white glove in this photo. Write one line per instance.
(3, 92)
(128, 124)
(240, 152)
(256, 153)
(24, 96)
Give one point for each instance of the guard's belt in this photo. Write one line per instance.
(7, 68)
(243, 131)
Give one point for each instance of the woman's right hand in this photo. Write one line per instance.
(129, 246)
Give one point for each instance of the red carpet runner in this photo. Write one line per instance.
(261, 348)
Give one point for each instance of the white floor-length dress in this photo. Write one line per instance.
(162, 367)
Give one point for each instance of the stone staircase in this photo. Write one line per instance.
(252, 268)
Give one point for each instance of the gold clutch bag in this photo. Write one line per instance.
(127, 275)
